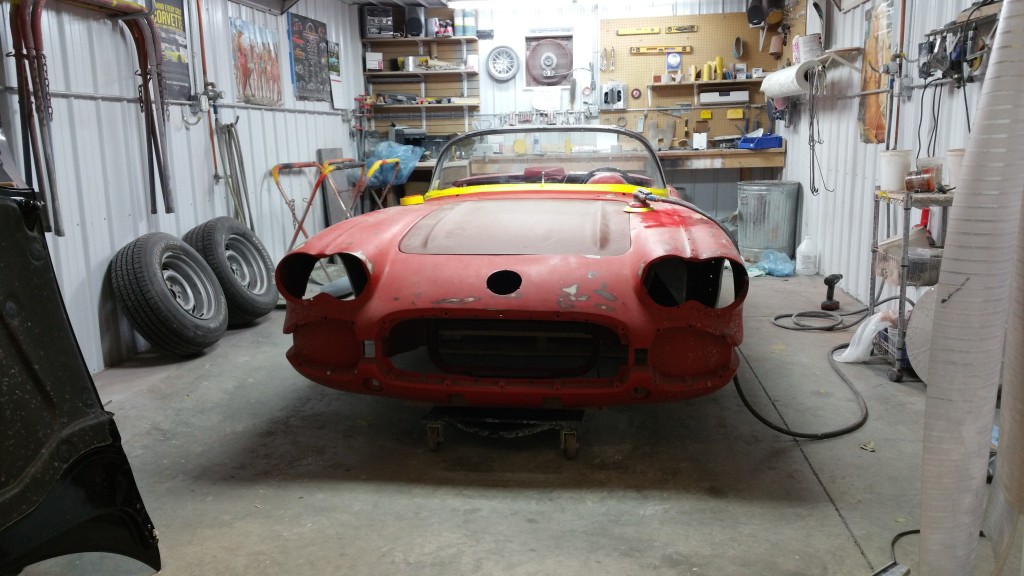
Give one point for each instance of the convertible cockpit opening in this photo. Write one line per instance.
(531, 156)
(303, 276)
(506, 349)
(672, 281)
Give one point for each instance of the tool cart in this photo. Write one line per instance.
(904, 269)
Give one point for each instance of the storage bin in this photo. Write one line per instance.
(922, 269)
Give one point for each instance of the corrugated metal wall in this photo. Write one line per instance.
(101, 164)
(840, 221)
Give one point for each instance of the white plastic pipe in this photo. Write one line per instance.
(1003, 515)
(971, 313)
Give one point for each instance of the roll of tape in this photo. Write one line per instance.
(737, 47)
(775, 48)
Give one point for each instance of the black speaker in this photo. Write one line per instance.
(414, 26)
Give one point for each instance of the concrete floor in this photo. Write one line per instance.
(247, 468)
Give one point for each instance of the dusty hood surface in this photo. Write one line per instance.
(522, 226)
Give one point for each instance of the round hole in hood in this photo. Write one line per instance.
(504, 282)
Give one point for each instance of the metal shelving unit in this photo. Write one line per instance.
(892, 345)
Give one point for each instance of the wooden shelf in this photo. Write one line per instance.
(409, 107)
(418, 76)
(707, 83)
(718, 159)
(419, 39)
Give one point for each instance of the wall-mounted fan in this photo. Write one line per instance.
(548, 61)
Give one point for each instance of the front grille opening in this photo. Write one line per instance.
(506, 349)
(672, 281)
(504, 282)
(343, 276)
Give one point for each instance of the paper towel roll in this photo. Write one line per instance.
(790, 81)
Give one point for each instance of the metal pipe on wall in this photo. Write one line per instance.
(30, 134)
(37, 74)
(206, 83)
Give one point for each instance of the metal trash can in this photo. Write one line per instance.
(767, 217)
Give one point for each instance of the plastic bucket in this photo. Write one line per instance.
(767, 217)
(893, 166)
(458, 22)
(933, 162)
(954, 157)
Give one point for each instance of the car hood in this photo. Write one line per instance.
(521, 226)
(586, 225)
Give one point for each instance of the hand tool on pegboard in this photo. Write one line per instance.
(638, 31)
(680, 29)
(644, 50)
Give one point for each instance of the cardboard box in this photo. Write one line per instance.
(374, 60)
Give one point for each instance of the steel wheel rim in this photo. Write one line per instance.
(502, 62)
(246, 264)
(188, 285)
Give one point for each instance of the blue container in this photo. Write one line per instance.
(760, 142)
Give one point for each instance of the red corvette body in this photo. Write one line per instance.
(542, 287)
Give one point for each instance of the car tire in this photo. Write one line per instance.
(169, 293)
(241, 264)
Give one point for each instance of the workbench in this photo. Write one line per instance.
(717, 159)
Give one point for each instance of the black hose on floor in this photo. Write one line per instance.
(837, 324)
(861, 404)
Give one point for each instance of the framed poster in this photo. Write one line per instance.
(255, 53)
(309, 58)
(169, 16)
(334, 71)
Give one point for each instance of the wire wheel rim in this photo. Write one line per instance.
(188, 286)
(502, 63)
(246, 264)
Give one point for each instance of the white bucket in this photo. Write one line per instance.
(954, 157)
(893, 166)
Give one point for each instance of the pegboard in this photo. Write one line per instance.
(715, 36)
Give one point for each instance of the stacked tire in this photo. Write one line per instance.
(182, 295)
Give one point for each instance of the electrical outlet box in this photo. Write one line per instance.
(613, 96)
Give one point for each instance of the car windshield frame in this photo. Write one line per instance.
(523, 157)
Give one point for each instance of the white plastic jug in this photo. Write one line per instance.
(807, 257)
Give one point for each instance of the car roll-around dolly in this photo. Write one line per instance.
(505, 423)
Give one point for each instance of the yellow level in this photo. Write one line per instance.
(680, 29)
(637, 31)
(661, 49)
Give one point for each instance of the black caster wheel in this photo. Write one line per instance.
(895, 375)
(434, 437)
(570, 444)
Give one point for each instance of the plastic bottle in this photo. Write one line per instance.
(807, 257)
